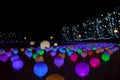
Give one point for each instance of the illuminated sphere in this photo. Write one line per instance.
(17, 64)
(105, 57)
(58, 61)
(74, 57)
(3, 57)
(61, 55)
(14, 57)
(40, 69)
(84, 54)
(32, 43)
(55, 77)
(53, 53)
(82, 69)
(39, 58)
(90, 52)
(44, 44)
(28, 53)
(15, 51)
(2, 51)
(94, 62)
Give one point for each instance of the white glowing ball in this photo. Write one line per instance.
(55, 44)
(44, 44)
(32, 42)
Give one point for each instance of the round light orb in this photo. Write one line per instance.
(39, 58)
(55, 77)
(82, 69)
(18, 64)
(74, 57)
(84, 54)
(32, 43)
(44, 44)
(3, 57)
(55, 44)
(14, 57)
(2, 51)
(94, 62)
(61, 55)
(53, 53)
(15, 51)
(28, 53)
(105, 57)
(90, 52)
(40, 69)
(58, 61)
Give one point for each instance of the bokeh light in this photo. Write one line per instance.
(94, 62)
(55, 77)
(40, 69)
(82, 69)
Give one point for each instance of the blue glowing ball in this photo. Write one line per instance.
(15, 51)
(40, 69)
(17, 64)
(14, 57)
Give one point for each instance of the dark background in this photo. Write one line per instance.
(47, 18)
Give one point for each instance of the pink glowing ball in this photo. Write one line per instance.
(94, 62)
(74, 57)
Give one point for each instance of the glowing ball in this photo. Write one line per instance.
(3, 57)
(94, 62)
(110, 52)
(17, 64)
(40, 69)
(39, 59)
(55, 77)
(101, 50)
(11, 49)
(14, 57)
(28, 53)
(84, 54)
(90, 52)
(34, 55)
(74, 57)
(62, 50)
(32, 43)
(105, 57)
(47, 49)
(94, 48)
(53, 53)
(55, 44)
(22, 49)
(9, 54)
(79, 51)
(70, 52)
(2, 51)
(15, 51)
(58, 61)
(61, 55)
(41, 52)
(82, 69)
(44, 44)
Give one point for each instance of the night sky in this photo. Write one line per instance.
(48, 19)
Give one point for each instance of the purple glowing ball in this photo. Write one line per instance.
(58, 61)
(53, 53)
(3, 57)
(94, 62)
(17, 64)
(82, 69)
